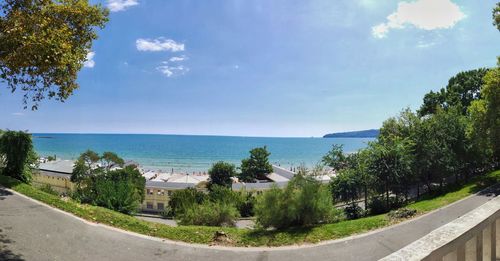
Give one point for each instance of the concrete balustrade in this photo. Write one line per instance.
(473, 236)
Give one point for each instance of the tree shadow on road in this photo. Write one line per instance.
(5, 253)
(4, 193)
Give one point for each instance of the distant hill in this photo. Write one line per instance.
(354, 134)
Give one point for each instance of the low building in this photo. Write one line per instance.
(159, 186)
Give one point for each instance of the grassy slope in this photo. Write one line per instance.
(244, 237)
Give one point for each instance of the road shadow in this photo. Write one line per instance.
(5, 253)
(4, 193)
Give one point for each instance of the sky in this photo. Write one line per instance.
(288, 68)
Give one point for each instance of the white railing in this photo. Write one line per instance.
(473, 236)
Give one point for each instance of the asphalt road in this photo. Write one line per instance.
(31, 231)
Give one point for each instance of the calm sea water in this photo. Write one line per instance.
(186, 153)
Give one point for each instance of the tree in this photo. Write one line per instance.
(346, 186)
(461, 90)
(496, 16)
(44, 43)
(487, 114)
(85, 166)
(221, 173)
(121, 190)
(16, 148)
(110, 160)
(335, 158)
(184, 198)
(257, 166)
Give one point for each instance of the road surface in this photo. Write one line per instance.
(32, 231)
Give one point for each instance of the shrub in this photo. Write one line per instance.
(402, 213)
(121, 190)
(242, 200)
(209, 213)
(353, 211)
(183, 199)
(377, 206)
(167, 212)
(304, 202)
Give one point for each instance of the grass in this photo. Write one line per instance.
(245, 237)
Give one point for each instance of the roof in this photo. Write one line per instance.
(261, 185)
(62, 166)
(168, 185)
(276, 177)
(283, 172)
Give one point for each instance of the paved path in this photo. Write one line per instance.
(31, 231)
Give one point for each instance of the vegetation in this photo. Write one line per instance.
(256, 166)
(44, 44)
(17, 155)
(244, 237)
(121, 189)
(304, 202)
(496, 16)
(221, 174)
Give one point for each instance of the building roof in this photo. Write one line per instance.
(257, 185)
(283, 172)
(168, 185)
(62, 166)
(276, 177)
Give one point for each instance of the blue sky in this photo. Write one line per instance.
(264, 68)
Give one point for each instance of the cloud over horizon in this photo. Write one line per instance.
(422, 14)
(159, 44)
(121, 5)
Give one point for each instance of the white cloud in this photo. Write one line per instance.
(171, 71)
(423, 14)
(89, 61)
(158, 44)
(178, 58)
(121, 5)
(18, 113)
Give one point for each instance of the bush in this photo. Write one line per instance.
(353, 211)
(121, 190)
(183, 199)
(304, 202)
(377, 206)
(167, 212)
(242, 200)
(48, 189)
(209, 213)
(402, 213)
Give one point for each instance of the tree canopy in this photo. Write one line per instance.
(44, 43)
(496, 16)
(256, 166)
(221, 173)
(461, 90)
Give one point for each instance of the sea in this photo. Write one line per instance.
(191, 153)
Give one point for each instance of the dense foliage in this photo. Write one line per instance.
(304, 202)
(97, 183)
(221, 174)
(44, 43)
(454, 135)
(17, 156)
(256, 166)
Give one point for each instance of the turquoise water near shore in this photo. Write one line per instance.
(187, 153)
